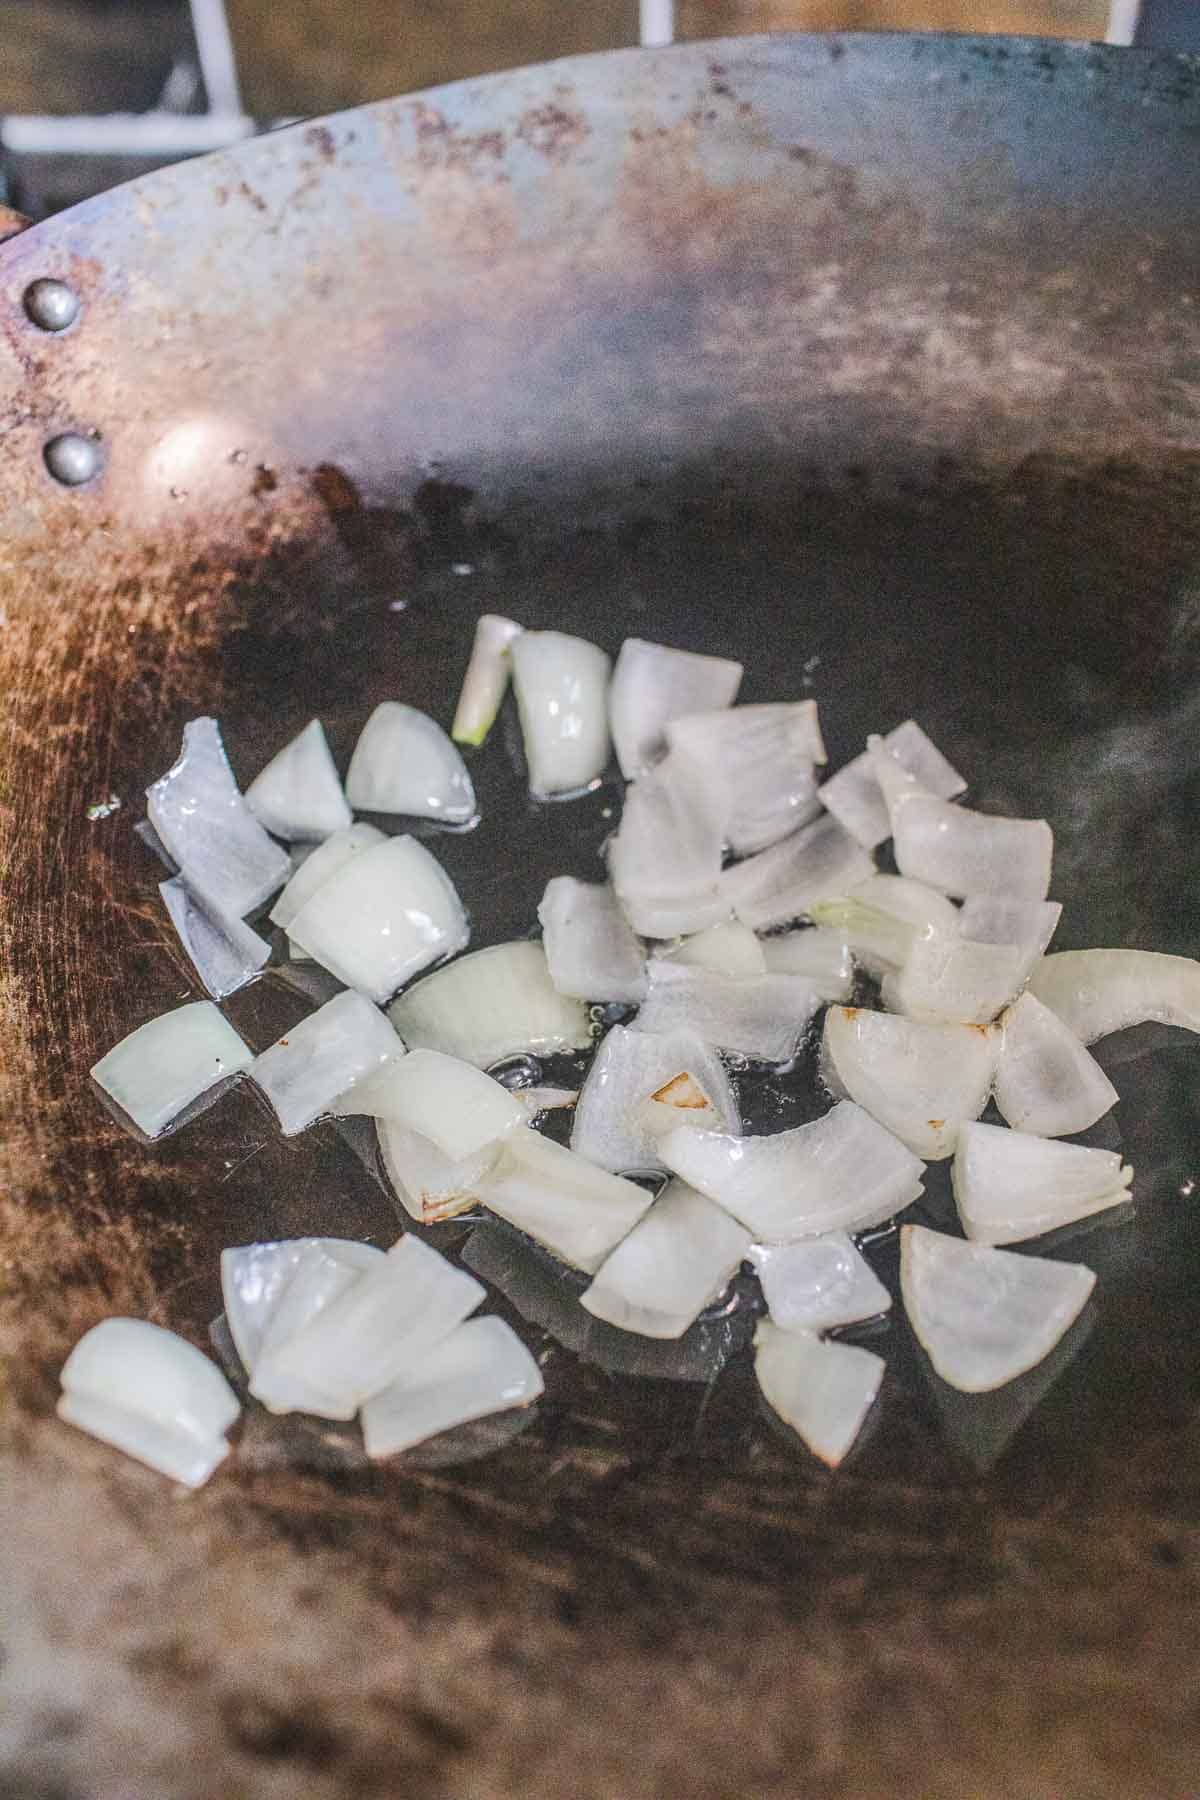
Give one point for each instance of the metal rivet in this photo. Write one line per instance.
(73, 458)
(51, 305)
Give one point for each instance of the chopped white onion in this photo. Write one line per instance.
(299, 795)
(823, 957)
(728, 949)
(384, 1325)
(882, 916)
(787, 881)
(591, 952)
(430, 1185)
(921, 1081)
(610, 1127)
(324, 1269)
(486, 679)
(491, 1005)
(561, 685)
(985, 1316)
(843, 1172)
(819, 1283)
(762, 1016)
(382, 918)
(480, 1369)
(949, 978)
(677, 915)
(824, 1391)
(225, 952)
(537, 1100)
(960, 851)
(761, 759)
(653, 684)
(1000, 919)
(132, 1364)
(404, 763)
(253, 1277)
(206, 826)
(156, 1072)
(319, 867)
(680, 1101)
(1098, 991)
(1010, 1185)
(1046, 1082)
(579, 1211)
(177, 1454)
(670, 838)
(451, 1102)
(322, 1057)
(677, 1258)
(855, 798)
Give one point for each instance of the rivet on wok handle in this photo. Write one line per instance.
(51, 305)
(73, 458)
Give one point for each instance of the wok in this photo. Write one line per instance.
(875, 361)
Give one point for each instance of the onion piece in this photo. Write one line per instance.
(160, 1069)
(678, 1257)
(383, 917)
(680, 1101)
(320, 866)
(253, 1277)
(671, 834)
(727, 949)
(177, 1454)
(403, 762)
(855, 798)
(561, 685)
(819, 1283)
(480, 1369)
(999, 919)
(486, 680)
(491, 1005)
(652, 685)
(921, 1081)
(431, 1186)
(322, 1058)
(384, 1325)
(299, 795)
(949, 978)
(575, 1209)
(610, 1127)
(1096, 992)
(141, 1368)
(824, 1391)
(960, 851)
(225, 952)
(985, 1316)
(822, 957)
(451, 1102)
(843, 1172)
(590, 950)
(537, 1100)
(762, 1016)
(761, 759)
(787, 881)
(676, 915)
(882, 916)
(1046, 1082)
(206, 826)
(1010, 1185)
(324, 1269)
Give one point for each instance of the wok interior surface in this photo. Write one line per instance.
(649, 1590)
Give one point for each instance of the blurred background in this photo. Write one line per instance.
(197, 73)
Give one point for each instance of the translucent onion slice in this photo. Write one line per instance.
(680, 1101)
(843, 1172)
(164, 1066)
(1010, 1185)
(819, 1283)
(561, 685)
(403, 762)
(728, 949)
(225, 952)
(999, 919)
(299, 795)
(947, 977)
(322, 1057)
(824, 1391)
(480, 1369)
(787, 881)
(177, 1454)
(855, 798)
(451, 1102)
(253, 1277)
(761, 758)
(921, 1081)
(964, 852)
(677, 915)
(430, 1185)
(591, 952)
(382, 918)
(537, 1100)
(677, 1258)
(671, 834)
(882, 916)
(610, 1127)
(319, 867)
(384, 1325)
(491, 1005)
(206, 826)
(141, 1368)
(652, 685)
(323, 1270)
(1095, 992)
(762, 1016)
(985, 1316)
(1046, 1082)
(575, 1209)
(821, 956)
(486, 679)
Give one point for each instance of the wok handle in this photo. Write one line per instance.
(11, 223)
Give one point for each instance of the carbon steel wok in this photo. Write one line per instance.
(875, 361)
